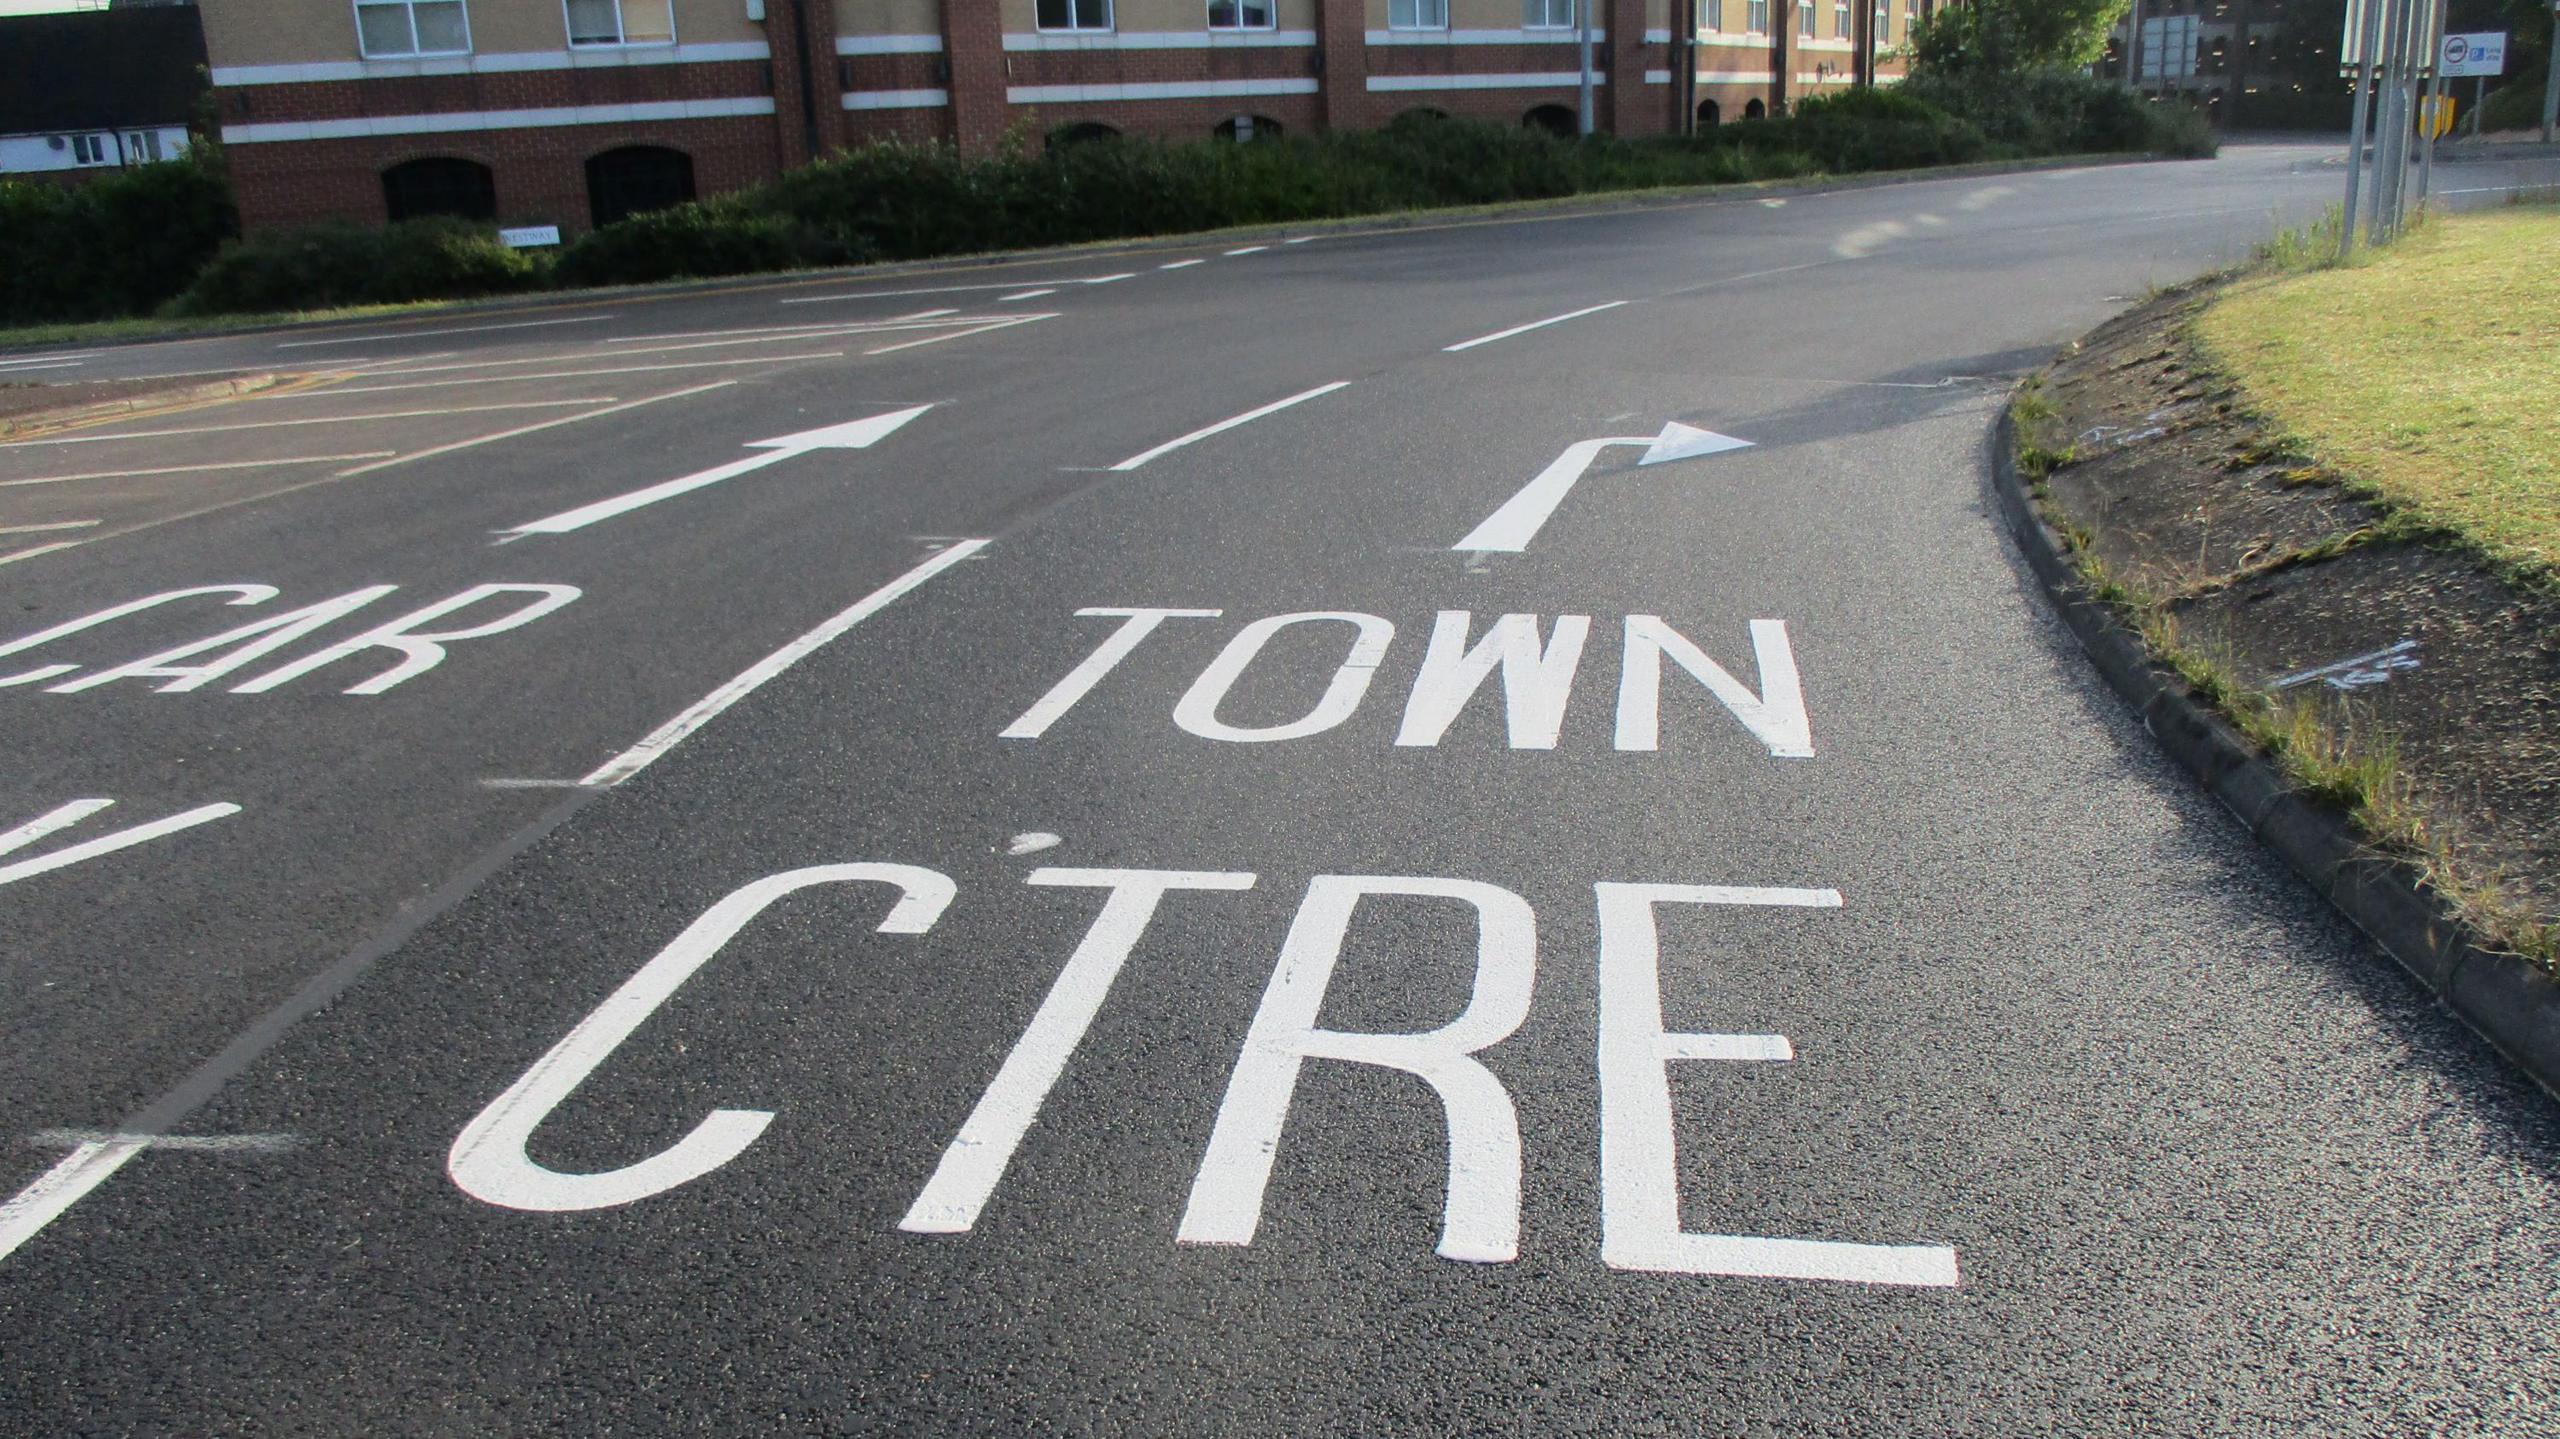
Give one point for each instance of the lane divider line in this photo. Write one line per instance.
(1182, 264)
(1248, 417)
(199, 1143)
(1524, 329)
(1247, 250)
(429, 334)
(433, 452)
(17, 555)
(562, 374)
(311, 420)
(702, 711)
(58, 1188)
(1023, 295)
(1004, 324)
(48, 529)
(192, 469)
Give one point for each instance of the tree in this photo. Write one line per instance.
(2009, 36)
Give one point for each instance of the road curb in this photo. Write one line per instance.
(42, 422)
(2503, 997)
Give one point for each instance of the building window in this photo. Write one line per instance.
(1245, 129)
(440, 185)
(1546, 14)
(621, 22)
(1074, 14)
(1083, 132)
(1710, 114)
(1756, 17)
(1239, 14)
(1883, 24)
(635, 180)
(1417, 14)
(1840, 20)
(1808, 20)
(388, 29)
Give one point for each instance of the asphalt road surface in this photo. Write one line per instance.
(1243, 838)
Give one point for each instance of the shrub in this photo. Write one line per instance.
(120, 244)
(2516, 105)
(2064, 112)
(332, 265)
(695, 241)
(1879, 129)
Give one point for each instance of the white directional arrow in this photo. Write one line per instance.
(1508, 530)
(853, 435)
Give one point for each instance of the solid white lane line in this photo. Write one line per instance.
(477, 440)
(430, 334)
(60, 1187)
(1247, 250)
(192, 469)
(922, 315)
(59, 818)
(702, 711)
(52, 355)
(110, 843)
(1524, 329)
(311, 420)
(1023, 295)
(196, 1143)
(8, 367)
(11, 559)
(1005, 324)
(327, 391)
(1014, 284)
(1223, 426)
(1182, 264)
(43, 529)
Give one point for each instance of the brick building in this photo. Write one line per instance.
(577, 112)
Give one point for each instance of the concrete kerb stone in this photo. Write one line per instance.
(2502, 996)
(156, 402)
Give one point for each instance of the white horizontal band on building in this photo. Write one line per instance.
(1158, 90)
(1550, 80)
(896, 99)
(1167, 40)
(888, 44)
(462, 121)
(1734, 77)
(1483, 37)
(503, 62)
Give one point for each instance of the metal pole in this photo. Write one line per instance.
(2133, 50)
(2405, 96)
(2363, 126)
(2390, 124)
(1582, 12)
(2551, 79)
(2435, 101)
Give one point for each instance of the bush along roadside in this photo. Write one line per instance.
(2368, 690)
(898, 201)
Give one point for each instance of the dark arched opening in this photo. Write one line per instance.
(636, 179)
(1709, 113)
(440, 185)
(1755, 111)
(1083, 132)
(1556, 120)
(1248, 128)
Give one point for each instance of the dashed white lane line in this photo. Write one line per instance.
(1023, 295)
(1182, 264)
(430, 334)
(936, 290)
(1110, 279)
(1524, 329)
(8, 367)
(1223, 426)
(192, 469)
(311, 420)
(702, 711)
(1302, 239)
(1247, 250)
(47, 529)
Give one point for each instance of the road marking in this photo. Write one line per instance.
(934, 290)
(313, 420)
(328, 391)
(1197, 711)
(1509, 530)
(58, 1188)
(1109, 279)
(1106, 657)
(70, 814)
(1004, 324)
(1031, 842)
(1524, 329)
(775, 336)
(193, 469)
(20, 367)
(536, 784)
(1537, 679)
(44, 529)
(1023, 295)
(922, 315)
(53, 355)
(1302, 240)
(702, 711)
(855, 435)
(1247, 250)
(1639, 1164)
(2360, 670)
(16, 555)
(194, 1143)
(1182, 264)
(478, 440)
(975, 1162)
(1220, 428)
(430, 334)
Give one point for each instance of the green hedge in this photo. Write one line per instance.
(2056, 112)
(119, 244)
(327, 266)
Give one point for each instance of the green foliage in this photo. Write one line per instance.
(2065, 112)
(2008, 37)
(332, 265)
(685, 242)
(2516, 105)
(117, 245)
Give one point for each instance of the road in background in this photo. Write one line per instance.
(1449, 830)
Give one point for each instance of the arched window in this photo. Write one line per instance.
(1083, 132)
(1755, 111)
(635, 180)
(1245, 128)
(1709, 113)
(440, 185)
(1556, 120)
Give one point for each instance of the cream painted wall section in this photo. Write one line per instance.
(888, 17)
(279, 32)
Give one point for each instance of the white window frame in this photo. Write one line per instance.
(417, 51)
(1110, 20)
(1270, 22)
(1844, 19)
(1808, 20)
(1419, 25)
(1546, 10)
(569, 31)
(1755, 17)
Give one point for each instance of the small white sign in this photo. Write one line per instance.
(2480, 54)
(528, 237)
